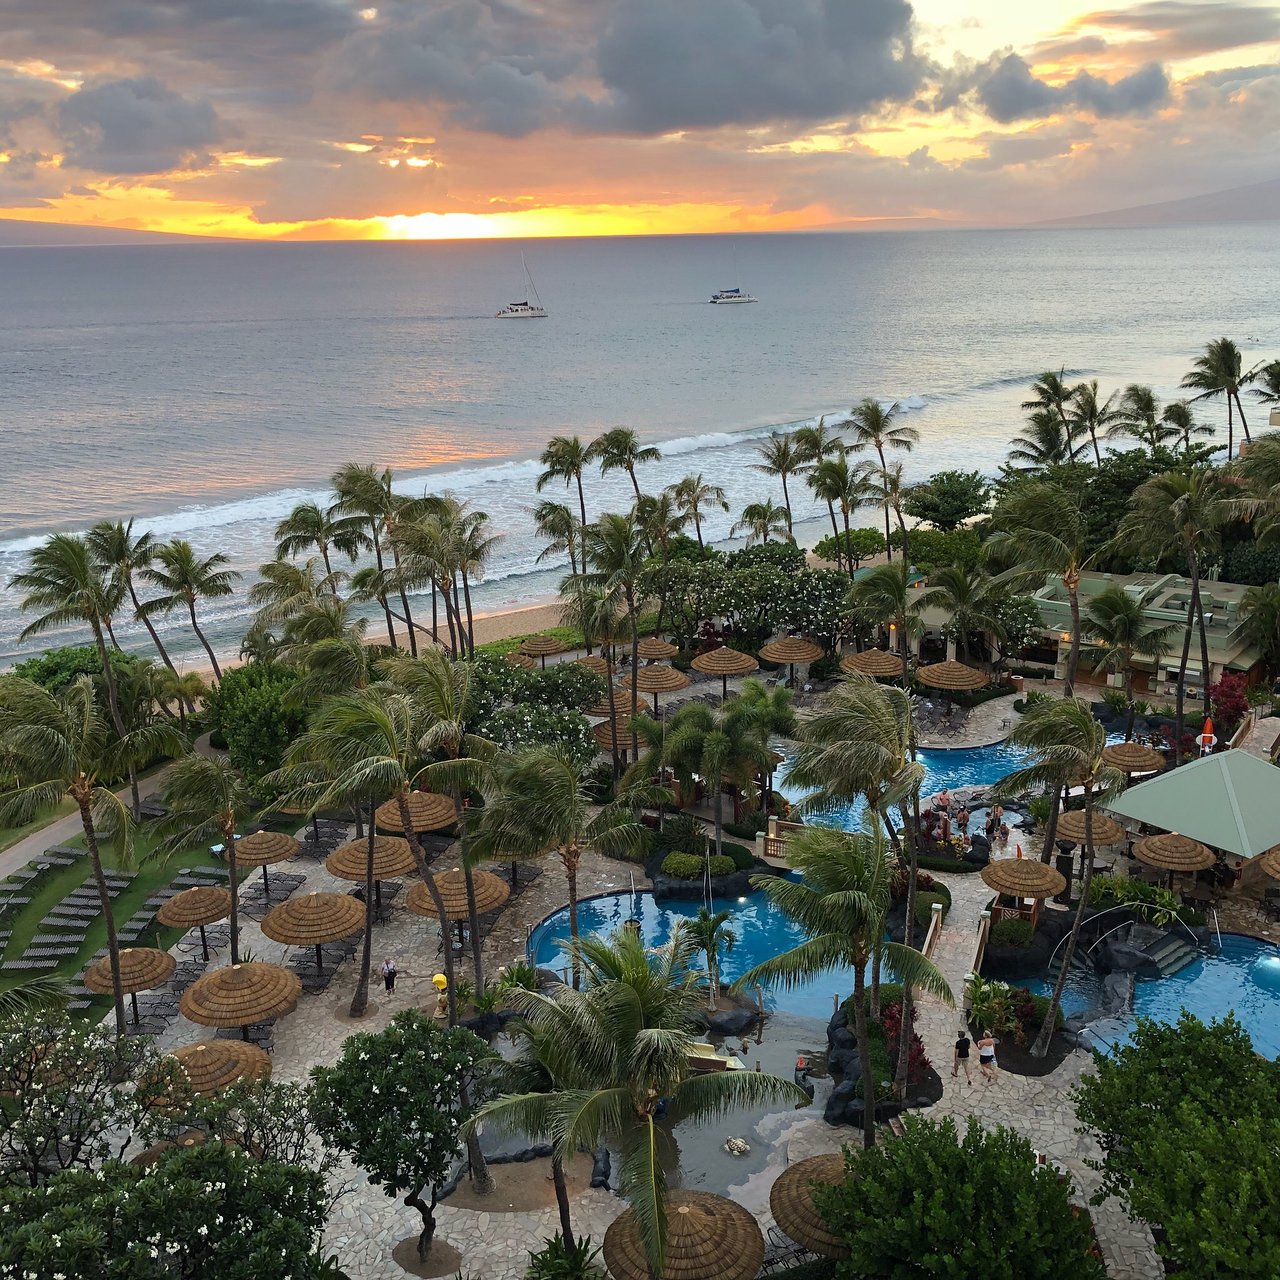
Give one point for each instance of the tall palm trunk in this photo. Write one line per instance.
(864, 1053)
(471, 622)
(382, 593)
(360, 1001)
(582, 501)
(435, 612)
(719, 812)
(200, 635)
(1041, 1045)
(562, 1200)
(233, 882)
(877, 964)
(835, 533)
(697, 528)
(404, 600)
(473, 916)
(906, 1023)
(1071, 580)
(1204, 649)
(108, 914)
(616, 749)
(1230, 429)
(634, 615)
(888, 549)
(1051, 827)
(1180, 694)
(151, 630)
(569, 857)
(1130, 709)
(1244, 425)
(786, 501)
(113, 704)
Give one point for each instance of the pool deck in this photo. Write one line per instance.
(987, 724)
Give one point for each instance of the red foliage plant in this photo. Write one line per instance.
(1230, 704)
(891, 1021)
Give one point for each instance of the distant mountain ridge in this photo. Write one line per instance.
(20, 233)
(1256, 202)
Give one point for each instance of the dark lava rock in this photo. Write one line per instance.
(1115, 956)
(601, 1168)
(730, 1022)
(841, 1038)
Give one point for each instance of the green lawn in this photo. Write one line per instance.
(151, 875)
(10, 836)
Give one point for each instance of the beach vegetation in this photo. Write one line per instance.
(852, 548)
(948, 499)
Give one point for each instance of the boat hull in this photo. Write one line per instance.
(534, 313)
(725, 302)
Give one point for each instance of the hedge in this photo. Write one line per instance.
(1011, 932)
(687, 866)
(957, 865)
(924, 906)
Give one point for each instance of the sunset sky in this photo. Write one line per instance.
(438, 118)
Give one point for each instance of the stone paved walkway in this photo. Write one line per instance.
(1040, 1108)
(987, 723)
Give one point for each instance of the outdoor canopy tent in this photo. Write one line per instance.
(1230, 801)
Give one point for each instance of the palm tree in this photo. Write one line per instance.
(309, 525)
(208, 798)
(598, 613)
(1217, 372)
(183, 578)
(1041, 530)
(1050, 395)
(1180, 419)
(780, 456)
(692, 495)
(971, 599)
(365, 495)
(429, 536)
(118, 552)
(618, 1053)
(619, 449)
(875, 427)
(882, 597)
(1268, 376)
(58, 745)
(1046, 442)
(442, 691)
(30, 996)
(284, 588)
(66, 582)
(1260, 611)
(1116, 623)
(815, 445)
(1181, 512)
(1066, 742)
(841, 904)
(473, 546)
(660, 519)
(614, 548)
(711, 934)
(185, 689)
(760, 519)
(836, 483)
(559, 528)
(727, 744)
(565, 458)
(1139, 416)
(536, 802)
(892, 487)
(1088, 416)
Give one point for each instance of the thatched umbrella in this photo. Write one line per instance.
(262, 848)
(725, 662)
(392, 857)
(708, 1238)
(1105, 830)
(872, 662)
(1173, 853)
(183, 1142)
(1270, 862)
(314, 919)
(657, 678)
(428, 811)
(791, 1202)
(593, 662)
(791, 649)
(141, 969)
(652, 649)
(1023, 878)
(951, 676)
(491, 892)
(607, 740)
(541, 647)
(214, 1065)
(621, 705)
(520, 660)
(195, 908)
(240, 995)
(1132, 757)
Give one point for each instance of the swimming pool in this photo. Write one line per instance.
(1244, 977)
(763, 932)
(943, 767)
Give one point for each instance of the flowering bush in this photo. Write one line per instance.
(529, 725)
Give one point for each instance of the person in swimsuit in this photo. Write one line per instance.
(961, 1056)
(987, 1055)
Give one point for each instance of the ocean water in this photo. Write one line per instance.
(205, 389)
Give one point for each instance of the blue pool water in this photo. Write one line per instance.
(1244, 977)
(763, 932)
(947, 767)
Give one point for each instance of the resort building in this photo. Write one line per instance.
(1168, 599)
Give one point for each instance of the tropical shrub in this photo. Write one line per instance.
(741, 857)
(924, 907)
(931, 549)
(948, 498)
(186, 1215)
(684, 831)
(748, 830)
(785, 556)
(1188, 1119)
(891, 1022)
(962, 1223)
(687, 866)
(862, 543)
(812, 602)
(1011, 932)
(557, 1260)
(1150, 902)
(59, 667)
(528, 725)
(249, 709)
(564, 686)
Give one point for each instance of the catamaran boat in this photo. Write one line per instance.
(524, 310)
(730, 295)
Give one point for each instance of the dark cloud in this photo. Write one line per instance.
(643, 67)
(1006, 90)
(137, 126)
(1003, 150)
(1188, 28)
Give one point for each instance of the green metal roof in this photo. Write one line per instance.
(1230, 801)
